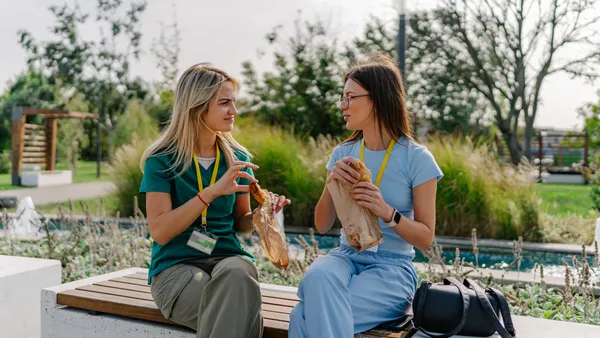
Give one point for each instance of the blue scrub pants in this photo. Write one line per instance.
(347, 292)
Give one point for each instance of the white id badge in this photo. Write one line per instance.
(202, 241)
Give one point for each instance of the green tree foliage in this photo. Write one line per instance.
(506, 50)
(136, 123)
(590, 113)
(97, 69)
(31, 89)
(302, 93)
(448, 105)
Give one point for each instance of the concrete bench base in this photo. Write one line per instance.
(46, 178)
(59, 321)
(21, 282)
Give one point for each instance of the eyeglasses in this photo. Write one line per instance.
(345, 100)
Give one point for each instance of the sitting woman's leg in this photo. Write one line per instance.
(224, 303)
(231, 301)
(381, 293)
(324, 309)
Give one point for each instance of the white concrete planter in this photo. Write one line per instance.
(566, 179)
(21, 282)
(64, 322)
(46, 178)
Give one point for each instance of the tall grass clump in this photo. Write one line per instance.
(289, 166)
(478, 191)
(127, 176)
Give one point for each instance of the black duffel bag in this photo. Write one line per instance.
(450, 308)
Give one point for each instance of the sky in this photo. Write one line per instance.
(229, 32)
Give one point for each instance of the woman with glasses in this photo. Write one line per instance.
(347, 292)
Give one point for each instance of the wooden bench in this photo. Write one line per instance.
(129, 296)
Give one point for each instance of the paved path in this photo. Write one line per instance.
(62, 193)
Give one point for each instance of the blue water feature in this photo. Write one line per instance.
(491, 258)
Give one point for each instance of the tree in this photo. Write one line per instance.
(590, 113)
(97, 69)
(448, 105)
(292, 97)
(302, 93)
(506, 50)
(166, 52)
(30, 88)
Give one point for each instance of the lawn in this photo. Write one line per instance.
(86, 172)
(111, 205)
(565, 199)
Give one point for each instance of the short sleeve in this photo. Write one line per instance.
(423, 166)
(155, 177)
(242, 156)
(336, 155)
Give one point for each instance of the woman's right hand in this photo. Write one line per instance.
(344, 171)
(227, 184)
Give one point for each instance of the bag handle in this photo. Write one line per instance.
(465, 309)
(504, 311)
(509, 331)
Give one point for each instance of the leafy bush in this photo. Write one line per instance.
(135, 123)
(4, 162)
(288, 166)
(479, 192)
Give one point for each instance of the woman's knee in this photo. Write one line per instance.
(236, 268)
(326, 270)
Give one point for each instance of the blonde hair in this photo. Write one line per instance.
(196, 87)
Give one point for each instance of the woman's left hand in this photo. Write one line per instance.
(367, 194)
(279, 201)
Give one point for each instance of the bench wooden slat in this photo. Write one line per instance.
(138, 276)
(130, 281)
(127, 307)
(279, 301)
(276, 316)
(276, 308)
(281, 295)
(117, 292)
(146, 289)
(125, 286)
(141, 279)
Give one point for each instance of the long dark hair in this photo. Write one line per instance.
(382, 79)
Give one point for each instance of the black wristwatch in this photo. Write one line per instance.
(395, 219)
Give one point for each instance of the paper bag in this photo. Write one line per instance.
(360, 225)
(271, 235)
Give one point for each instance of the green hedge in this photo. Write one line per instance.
(477, 191)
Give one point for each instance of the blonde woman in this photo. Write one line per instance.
(196, 178)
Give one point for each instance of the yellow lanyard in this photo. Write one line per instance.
(212, 181)
(383, 163)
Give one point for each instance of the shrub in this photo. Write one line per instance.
(135, 123)
(476, 192)
(4, 162)
(479, 192)
(288, 166)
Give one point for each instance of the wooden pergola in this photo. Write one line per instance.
(35, 144)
